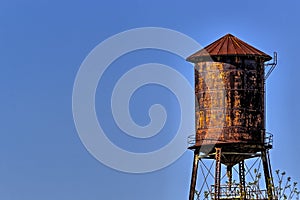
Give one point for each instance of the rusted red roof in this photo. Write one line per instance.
(228, 45)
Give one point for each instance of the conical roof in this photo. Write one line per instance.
(228, 45)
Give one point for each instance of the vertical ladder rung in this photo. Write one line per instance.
(218, 173)
(242, 179)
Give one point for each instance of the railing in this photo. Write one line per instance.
(234, 192)
(191, 140)
(268, 140)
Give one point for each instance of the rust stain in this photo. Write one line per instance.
(228, 45)
(230, 95)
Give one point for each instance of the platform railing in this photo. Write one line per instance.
(191, 140)
(268, 140)
(234, 192)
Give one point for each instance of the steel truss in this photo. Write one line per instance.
(242, 180)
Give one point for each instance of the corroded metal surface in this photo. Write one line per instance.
(230, 102)
(228, 45)
(230, 111)
(230, 97)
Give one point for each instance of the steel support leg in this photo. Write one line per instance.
(218, 173)
(242, 179)
(194, 174)
(267, 173)
(229, 176)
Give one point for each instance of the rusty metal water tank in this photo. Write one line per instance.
(230, 96)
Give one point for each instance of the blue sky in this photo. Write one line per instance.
(42, 45)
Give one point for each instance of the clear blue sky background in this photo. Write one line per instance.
(42, 44)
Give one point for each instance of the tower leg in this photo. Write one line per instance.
(194, 174)
(218, 173)
(229, 176)
(242, 179)
(267, 173)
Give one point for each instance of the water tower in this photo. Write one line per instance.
(230, 117)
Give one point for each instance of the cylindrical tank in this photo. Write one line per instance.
(230, 97)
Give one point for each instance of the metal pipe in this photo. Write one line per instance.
(267, 174)
(194, 174)
(229, 175)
